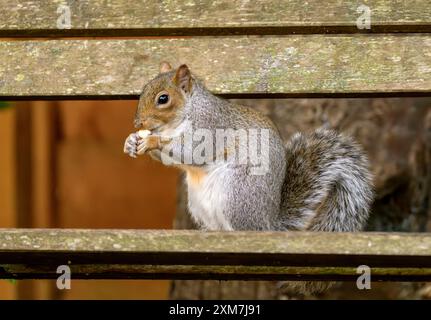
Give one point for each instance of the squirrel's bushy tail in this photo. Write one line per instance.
(328, 187)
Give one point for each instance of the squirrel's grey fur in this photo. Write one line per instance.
(318, 181)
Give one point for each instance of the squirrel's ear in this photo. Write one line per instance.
(183, 78)
(165, 67)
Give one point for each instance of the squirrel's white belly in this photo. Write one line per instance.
(206, 199)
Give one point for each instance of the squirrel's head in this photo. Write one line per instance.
(163, 98)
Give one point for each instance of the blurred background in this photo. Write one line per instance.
(62, 166)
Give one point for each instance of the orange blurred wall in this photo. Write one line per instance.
(7, 184)
(100, 187)
(80, 178)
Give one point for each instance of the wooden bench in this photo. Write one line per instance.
(259, 49)
(162, 254)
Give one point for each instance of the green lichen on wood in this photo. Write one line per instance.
(215, 255)
(47, 240)
(176, 14)
(107, 271)
(295, 65)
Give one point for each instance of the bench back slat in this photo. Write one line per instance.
(155, 18)
(293, 66)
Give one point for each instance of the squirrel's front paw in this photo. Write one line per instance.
(131, 145)
(147, 143)
(135, 141)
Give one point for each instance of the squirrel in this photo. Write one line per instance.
(314, 182)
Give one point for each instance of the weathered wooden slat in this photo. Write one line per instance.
(216, 272)
(200, 17)
(294, 66)
(151, 254)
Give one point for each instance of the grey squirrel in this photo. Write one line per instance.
(316, 182)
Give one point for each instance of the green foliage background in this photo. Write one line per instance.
(4, 105)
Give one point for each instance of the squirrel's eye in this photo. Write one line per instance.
(163, 99)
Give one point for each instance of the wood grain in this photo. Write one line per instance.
(296, 66)
(162, 254)
(202, 17)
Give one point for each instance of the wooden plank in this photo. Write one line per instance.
(24, 185)
(7, 183)
(35, 168)
(213, 272)
(44, 139)
(24, 168)
(296, 66)
(161, 254)
(200, 17)
(7, 166)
